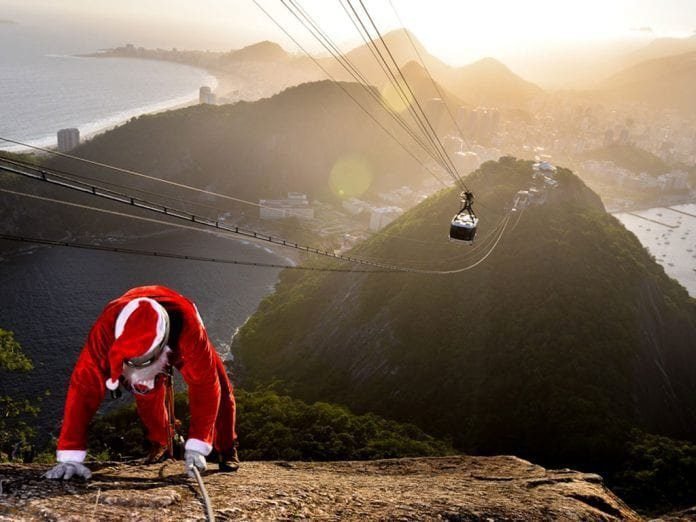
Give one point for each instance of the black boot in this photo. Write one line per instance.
(229, 461)
(156, 454)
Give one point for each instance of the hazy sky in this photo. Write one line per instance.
(456, 31)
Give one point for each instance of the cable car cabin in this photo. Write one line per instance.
(463, 227)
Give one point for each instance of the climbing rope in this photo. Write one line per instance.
(204, 494)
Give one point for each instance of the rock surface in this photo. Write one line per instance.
(457, 488)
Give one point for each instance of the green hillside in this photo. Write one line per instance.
(565, 338)
(263, 149)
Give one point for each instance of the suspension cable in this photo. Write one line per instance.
(347, 92)
(456, 175)
(325, 40)
(80, 177)
(427, 70)
(137, 173)
(471, 251)
(396, 84)
(172, 255)
(75, 177)
(215, 226)
(212, 226)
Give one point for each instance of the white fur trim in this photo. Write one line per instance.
(71, 455)
(128, 310)
(111, 384)
(198, 315)
(199, 446)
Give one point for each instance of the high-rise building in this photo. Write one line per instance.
(68, 139)
(205, 95)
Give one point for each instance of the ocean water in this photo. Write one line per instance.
(45, 87)
(50, 297)
(669, 234)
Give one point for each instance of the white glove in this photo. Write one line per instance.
(68, 470)
(193, 458)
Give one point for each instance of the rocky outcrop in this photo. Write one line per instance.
(448, 488)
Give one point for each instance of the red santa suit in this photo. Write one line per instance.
(129, 327)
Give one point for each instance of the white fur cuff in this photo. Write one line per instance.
(71, 455)
(199, 446)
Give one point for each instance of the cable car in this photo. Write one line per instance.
(464, 223)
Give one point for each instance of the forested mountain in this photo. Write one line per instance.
(261, 149)
(567, 337)
(256, 150)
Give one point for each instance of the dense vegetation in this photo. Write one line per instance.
(657, 472)
(16, 433)
(565, 339)
(273, 427)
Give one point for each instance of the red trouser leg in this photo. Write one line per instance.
(153, 413)
(225, 436)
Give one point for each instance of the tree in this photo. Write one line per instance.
(16, 435)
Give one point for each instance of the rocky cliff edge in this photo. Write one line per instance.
(447, 488)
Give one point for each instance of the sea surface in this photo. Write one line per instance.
(51, 296)
(669, 234)
(45, 86)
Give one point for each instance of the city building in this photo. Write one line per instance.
(295, 205)
(206, 96)
(356, 206)
(68, 139)
(675, 180)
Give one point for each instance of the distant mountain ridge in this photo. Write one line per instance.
(486, 82)
(490, 82)
(661, 48)
(666, 82)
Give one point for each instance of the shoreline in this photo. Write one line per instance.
(88, 130)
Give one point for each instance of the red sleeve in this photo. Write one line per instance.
(86, 389)
(199, 370)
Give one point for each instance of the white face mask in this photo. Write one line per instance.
(142, 380)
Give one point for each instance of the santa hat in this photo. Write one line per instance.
(141, 329)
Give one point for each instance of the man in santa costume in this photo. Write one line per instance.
(134, 343)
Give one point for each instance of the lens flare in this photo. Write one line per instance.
(396, 100)
(350, 176)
